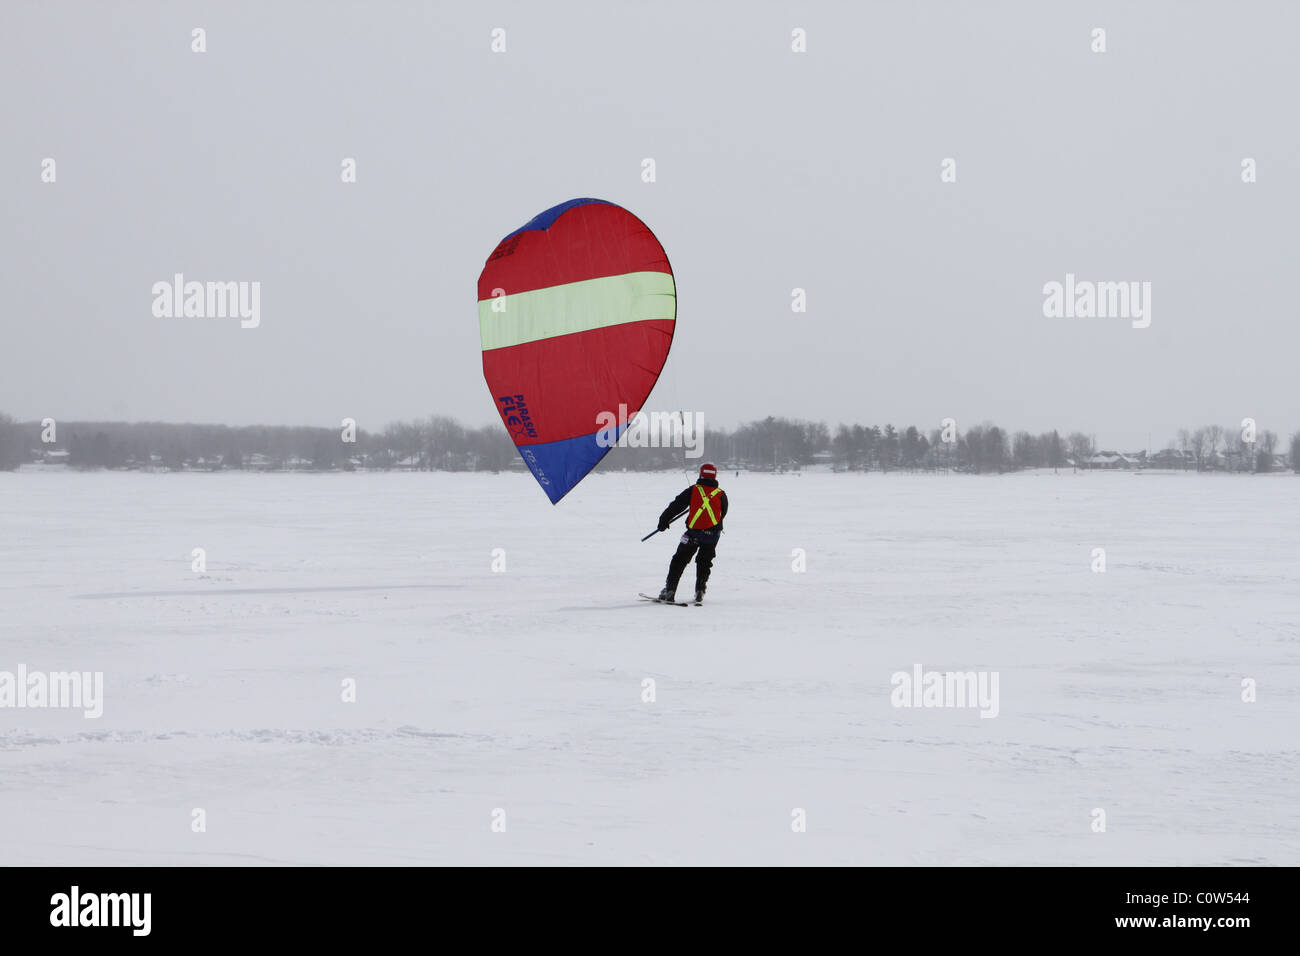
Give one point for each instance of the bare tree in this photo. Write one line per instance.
(1022, 450)
(1235, 450)
(1081, 448)
(1214, 438)
(995, 448)
(1200, 445)
(1266, 444)
(12, 450)
(1055, 454)
(971, 447)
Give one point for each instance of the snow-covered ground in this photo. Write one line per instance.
(522, 690)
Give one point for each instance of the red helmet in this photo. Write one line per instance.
(708, 471)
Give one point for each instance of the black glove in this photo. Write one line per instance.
(663, 525)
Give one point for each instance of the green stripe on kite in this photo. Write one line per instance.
(576, 307)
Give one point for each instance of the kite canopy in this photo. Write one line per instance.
(576, 310)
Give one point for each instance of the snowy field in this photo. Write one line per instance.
(522, 690)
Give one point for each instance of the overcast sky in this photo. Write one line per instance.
(775, 170)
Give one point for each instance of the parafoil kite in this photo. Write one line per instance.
(576, 310)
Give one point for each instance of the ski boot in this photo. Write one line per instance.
(667, 596)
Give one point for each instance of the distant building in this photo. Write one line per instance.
(1172, 458)
(1112, 460)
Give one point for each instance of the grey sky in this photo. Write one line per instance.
(775, 170)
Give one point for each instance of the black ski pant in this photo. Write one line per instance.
(701, 544)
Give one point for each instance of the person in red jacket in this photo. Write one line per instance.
(705, 505)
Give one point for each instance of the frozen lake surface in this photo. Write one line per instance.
(516, 696)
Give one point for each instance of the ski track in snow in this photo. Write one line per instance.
(522, 690)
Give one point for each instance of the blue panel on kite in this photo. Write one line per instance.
(559, 465)
(544, 219)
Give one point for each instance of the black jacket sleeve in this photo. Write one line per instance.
(676, 507)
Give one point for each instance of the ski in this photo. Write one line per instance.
(647, 597)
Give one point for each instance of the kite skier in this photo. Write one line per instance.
(705, 505)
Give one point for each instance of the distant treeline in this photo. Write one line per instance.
(440, 443)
